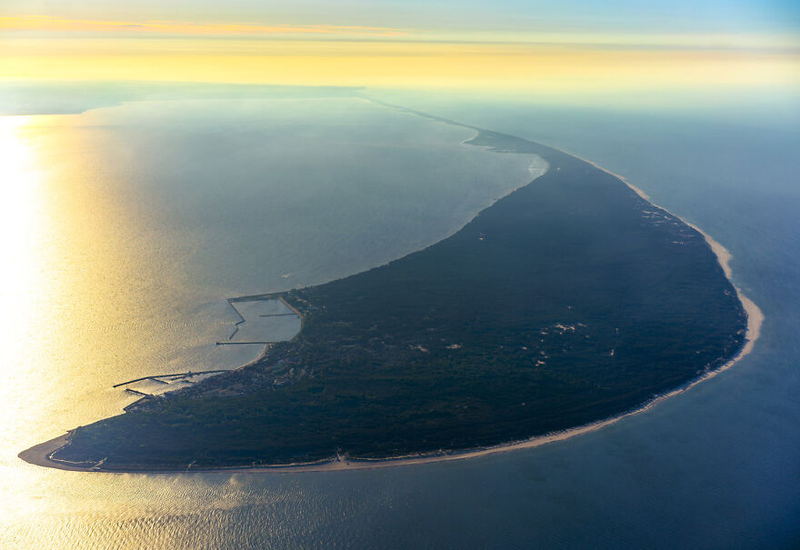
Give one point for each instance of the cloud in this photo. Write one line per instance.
(60, 24)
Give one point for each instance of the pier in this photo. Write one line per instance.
(157, 377)
(263, 343)
(279, 315)
(237, 323)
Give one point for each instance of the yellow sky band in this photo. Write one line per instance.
(390, 64)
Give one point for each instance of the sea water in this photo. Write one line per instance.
(193, 204)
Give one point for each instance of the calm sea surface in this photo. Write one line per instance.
(125, 229)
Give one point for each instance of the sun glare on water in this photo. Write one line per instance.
(20, 225)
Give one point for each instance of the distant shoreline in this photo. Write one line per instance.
(41, 454)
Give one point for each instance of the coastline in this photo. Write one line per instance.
(41, 454)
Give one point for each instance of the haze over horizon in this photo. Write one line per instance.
(545, 49)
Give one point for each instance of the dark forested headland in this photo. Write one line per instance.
(568, 301)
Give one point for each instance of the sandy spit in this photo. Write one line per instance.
(41, 454)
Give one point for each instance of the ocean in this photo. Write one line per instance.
(128, 226)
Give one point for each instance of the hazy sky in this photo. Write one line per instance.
(737, 16)
(546, 46)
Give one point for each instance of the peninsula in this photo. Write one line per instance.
(567, 302)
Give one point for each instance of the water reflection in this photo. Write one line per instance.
(123, 232)
(20, 227)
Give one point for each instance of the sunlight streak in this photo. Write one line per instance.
(20, 182)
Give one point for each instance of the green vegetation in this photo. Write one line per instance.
(570, 300)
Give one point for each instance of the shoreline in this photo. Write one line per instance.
(41, 454)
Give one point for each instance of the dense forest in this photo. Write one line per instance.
(570, 300)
